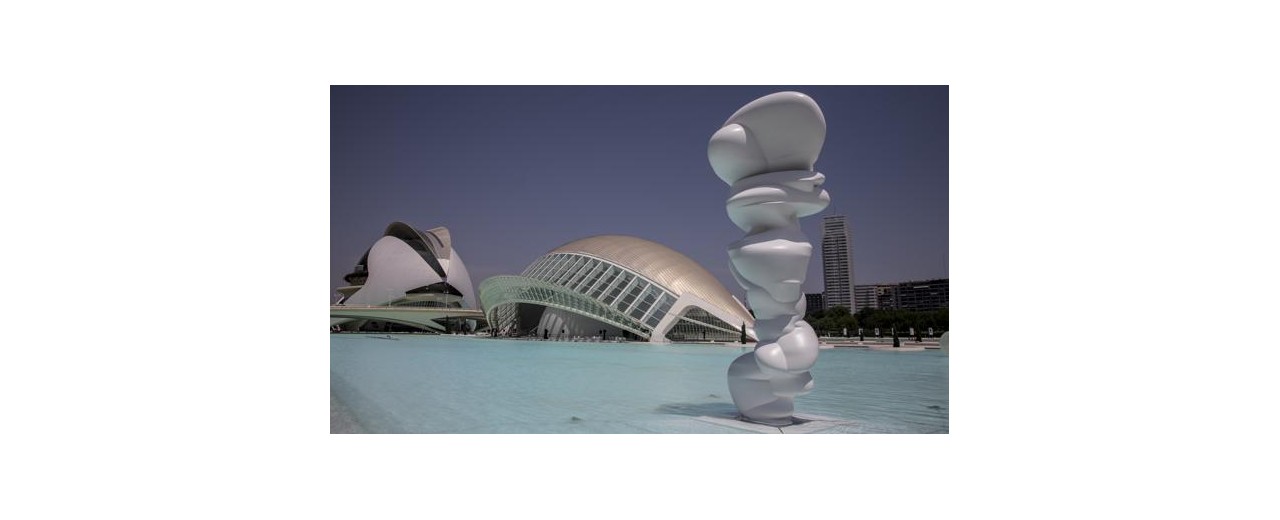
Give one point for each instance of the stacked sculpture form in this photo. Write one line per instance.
(765, 152)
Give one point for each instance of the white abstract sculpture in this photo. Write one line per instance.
(765, 152)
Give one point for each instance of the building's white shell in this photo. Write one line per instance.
(408, 266)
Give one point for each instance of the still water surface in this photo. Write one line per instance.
(451, 384)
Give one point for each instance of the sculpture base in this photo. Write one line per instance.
(804, 423)
(786, 421)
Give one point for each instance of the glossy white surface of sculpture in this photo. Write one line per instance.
(765, 152)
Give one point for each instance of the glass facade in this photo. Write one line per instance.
(600, 289)
(636, 297)
(508, 292)
(700, 325)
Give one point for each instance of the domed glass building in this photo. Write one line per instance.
(615, 286)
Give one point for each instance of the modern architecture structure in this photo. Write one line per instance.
(408, 267)
(813, 302)
(864, 296)
(837, 263)
(876, 296)
(615, 286)
(926, 295)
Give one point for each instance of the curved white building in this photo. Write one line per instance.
(622, 285)
(411, 268)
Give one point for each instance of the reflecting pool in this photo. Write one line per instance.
(458, 384)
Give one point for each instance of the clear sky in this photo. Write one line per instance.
(514, 172)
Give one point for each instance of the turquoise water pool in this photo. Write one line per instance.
(453, 384)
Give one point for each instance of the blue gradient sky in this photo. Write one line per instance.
(514, 172)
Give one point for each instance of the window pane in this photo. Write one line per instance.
(580, 269)
(589, 277)
(664, 304)
(608, 298)
(566, 263)
(564, 272)
(630, 297)
(604, 284)
(548, 266)
(616, 290)
(532, 271)
(650, 295)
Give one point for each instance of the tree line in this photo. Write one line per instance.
(834, 321)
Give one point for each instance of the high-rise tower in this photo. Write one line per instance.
(837, 263)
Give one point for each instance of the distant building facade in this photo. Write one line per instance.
(837, 263)
(865, 296)
(813, 302)
(926, 295)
